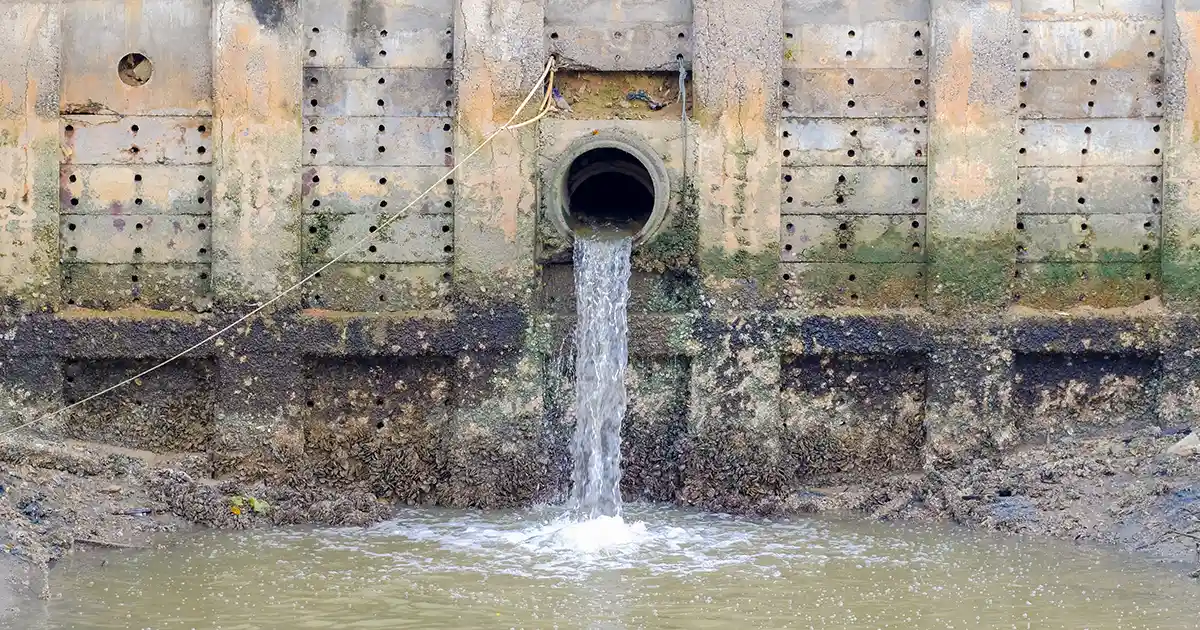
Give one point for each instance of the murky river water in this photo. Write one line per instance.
(663, 568)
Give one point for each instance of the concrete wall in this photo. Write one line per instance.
(899, 234)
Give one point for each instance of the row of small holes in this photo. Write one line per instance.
(378, 102)
(850, 81)
(854, 134)
(618, 35)
(842, 179)
(136, 178)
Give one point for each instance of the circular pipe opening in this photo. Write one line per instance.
(608, 183)
(608, 190)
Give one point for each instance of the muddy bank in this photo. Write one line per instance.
(1124, 490)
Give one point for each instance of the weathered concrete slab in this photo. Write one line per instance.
(1092, 43)
(1034, 9)
(135, 238)
(857, 238)
(590, 12)
(373, 287)
(351, 189)
(853, 190)
(860, 93)
(393, 141)
(147, 189)
(136, 140)
(402, 34)
(162, 286)
(1087, 237)
(866, 142)
(383, 92)
(1091, 94)
(797, 12)
(1062, 286)
(1090, 143)
(809, 286)
(173, 34)
(895, 44)
(620, 47)
(1103, 189)
(410, 239)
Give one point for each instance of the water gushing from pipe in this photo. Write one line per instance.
(601, 355)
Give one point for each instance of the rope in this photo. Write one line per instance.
(547, 73)
(683, 112)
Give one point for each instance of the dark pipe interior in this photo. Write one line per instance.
(608, 190)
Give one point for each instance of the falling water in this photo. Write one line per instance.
(602, 293)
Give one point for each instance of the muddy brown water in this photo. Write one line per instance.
(660, 567)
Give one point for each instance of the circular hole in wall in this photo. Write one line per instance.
(608, 189)
(135, 69)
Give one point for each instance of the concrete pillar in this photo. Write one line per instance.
(257, 78)
(499, 53)
(1181, 163)
(734, 457)
(972, 154)
(497, 441)
(737, 76)
(29, 155)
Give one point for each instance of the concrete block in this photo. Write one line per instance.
(1091, 44)
(143, 189)
(797, 12)
(807, 286)
(173, 35)
(135, 238)
(972, 174)
(1087, 238)
(1091, 94)
(412, 238)
(378, 141)
(403, 34)
(853, 238)
(854, 190)
(859, 93)
(1090, 143)
(381, 189)
(257, 149)
(617, 11)
(1064, 8)
(373, 287)
(620, 47)
(892, 44)
(1104, 189)
(1063, 285)
(174, 286)
(387, 92)
(136, 140)
(863, 142)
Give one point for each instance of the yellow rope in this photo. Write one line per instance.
(547, 73)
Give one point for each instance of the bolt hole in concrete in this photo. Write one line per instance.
(608, 189)
(135, 69)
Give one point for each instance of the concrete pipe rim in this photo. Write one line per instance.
(617, 157)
